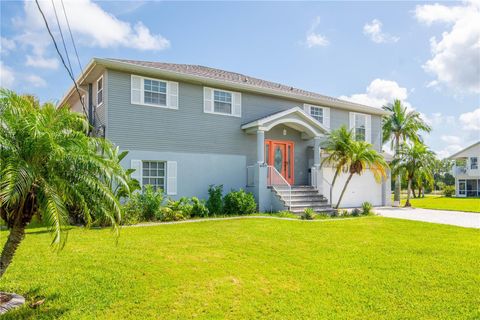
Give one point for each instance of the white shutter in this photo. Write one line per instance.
(368, 128)
(136, 90)
(207, 100)
(326, 117)
(306, 107)
(137, 174)
(237, 104)
(352, 121)
(171, 178)
(172, 95)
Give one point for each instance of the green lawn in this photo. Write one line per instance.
(363, 268)
(444, 203)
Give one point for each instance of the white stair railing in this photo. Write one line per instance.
(278, 182)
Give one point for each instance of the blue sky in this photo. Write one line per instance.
(426, 54)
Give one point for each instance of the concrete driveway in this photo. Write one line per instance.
(454, 218)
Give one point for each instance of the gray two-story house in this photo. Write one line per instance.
(188, 126)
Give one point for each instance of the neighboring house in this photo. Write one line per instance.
(187, 127)
(467, 171)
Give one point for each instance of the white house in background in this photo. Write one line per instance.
(467, 171)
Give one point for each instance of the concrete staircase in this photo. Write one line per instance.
(302, 197)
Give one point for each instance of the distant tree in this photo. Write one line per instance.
(398, 127)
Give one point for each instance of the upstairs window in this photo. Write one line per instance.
(155, 92)
(360, 130)
(473, 163)
(100, 91)
(222, 102)
(321, 114)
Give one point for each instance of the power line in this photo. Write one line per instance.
(71, 37)
(61, 35)
(61, 57)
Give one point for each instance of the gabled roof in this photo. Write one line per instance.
(295, 118)
(212, 76)
(456, 155)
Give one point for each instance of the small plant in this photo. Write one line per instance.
(367, 208)
(239, 202)
(144, 206)
(167, 214)
(356, 212)
(449, 191)
(308, 214)
(215, 200)
(199, 208)
(342, 213)
(322, 215)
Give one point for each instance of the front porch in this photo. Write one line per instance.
(288, 158)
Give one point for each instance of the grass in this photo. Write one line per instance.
(444, 203)
(366, 268)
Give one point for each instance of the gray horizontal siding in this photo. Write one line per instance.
(189, 129)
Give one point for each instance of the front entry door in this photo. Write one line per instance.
(280, 155)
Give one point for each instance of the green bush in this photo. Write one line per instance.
(199, 208)
(356, 212)
(215, 200)
(308, 214)
(167, 214)
(448, 191)
(144, 206)
(367, 208)
(239, 202)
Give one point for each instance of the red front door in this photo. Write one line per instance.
(280, 155)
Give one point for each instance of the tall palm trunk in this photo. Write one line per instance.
(398, 178)
(17, 233)
(343, 190)
(413, 193)
(409, 187)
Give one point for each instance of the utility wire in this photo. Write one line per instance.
(61, 57)
(71, 37)
(61, 35)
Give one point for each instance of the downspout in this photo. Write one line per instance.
(91, 120)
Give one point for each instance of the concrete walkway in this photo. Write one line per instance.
(454, 218)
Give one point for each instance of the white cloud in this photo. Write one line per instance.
(471, 120)
(451, 139)
(7, 76)
(374, 31)
(448, 151)
(6, 45)
(90, 25)
(380, 92)
(39, 61)
(315, 39)
(36, 81)
(455, 58)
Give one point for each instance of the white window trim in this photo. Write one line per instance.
(142, 94)
(325, 113)
(164, 189)
(368, 125)
(103, 96)
(233, 93)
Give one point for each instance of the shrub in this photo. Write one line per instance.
(215, 200)
(182, 206)
(448, 191)
(144, 205)
(356, 212)
(308, 214)
(342, 213)
(198, 208)
(239, 202)
(367, 208)
(167, 214)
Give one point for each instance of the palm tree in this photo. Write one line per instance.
(49, 163)
(337, 147)
(363, 157)
(398, 127)
(417, 161)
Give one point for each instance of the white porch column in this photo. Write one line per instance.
(260, 146)
(316, 152)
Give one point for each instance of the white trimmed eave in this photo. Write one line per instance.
(133, 68)
(309, 127)
(460, 154)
